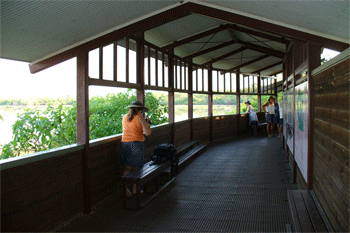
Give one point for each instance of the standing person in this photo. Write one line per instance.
(253, 118)
(132, 144)
(269, 109)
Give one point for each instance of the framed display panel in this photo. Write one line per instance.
(301, 130)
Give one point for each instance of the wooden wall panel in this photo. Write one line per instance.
(224, 127)
(29, 193)
(201, 129)
(104, 169)
(41, 195)
(331, 143)
(182, 132)
(243, 124)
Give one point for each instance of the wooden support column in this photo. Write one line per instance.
(210, 100)
(238, 100)
(171, 96)
(140, 69)
(259, 93)
(83, 123)
(314, 61)
(296, 49)
(190, 96)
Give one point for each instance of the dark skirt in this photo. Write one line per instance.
(132, 154)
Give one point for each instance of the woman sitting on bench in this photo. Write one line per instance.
(132, 144)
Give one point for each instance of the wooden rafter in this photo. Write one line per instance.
(266, 26)
(247, 63)
(231, 42)
(195, 37)
(257, 33)
(225, 56)
(262, 49)
(180, 12)
(267, 67)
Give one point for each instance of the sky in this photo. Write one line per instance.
(58, 81)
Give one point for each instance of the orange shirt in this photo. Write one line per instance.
(132, 130)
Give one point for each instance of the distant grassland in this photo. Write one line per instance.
(181, 111)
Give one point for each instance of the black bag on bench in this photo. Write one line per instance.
(165, 152)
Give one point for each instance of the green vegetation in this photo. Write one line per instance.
(38, 130)
(38, 101)
(1, 118)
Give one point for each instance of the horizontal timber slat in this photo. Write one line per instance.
(331, 141)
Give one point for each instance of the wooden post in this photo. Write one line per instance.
(313, 60)
(190, 97)
(83, 123)
(210, 99)
(296, 48)
(140, 69)
(238, 103)
(171, 97)
(259, 93)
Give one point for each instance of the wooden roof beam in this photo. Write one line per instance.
(267, 67)
(195, 37)
(231, 42)
(257, 33)
(262, 49)
(225, 56)
(247, 63)
(266, 26)
(274, 74)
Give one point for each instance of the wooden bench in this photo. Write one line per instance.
(148, 172)
(307, 214)
(143, 176)
(186, 147)
(188, 156)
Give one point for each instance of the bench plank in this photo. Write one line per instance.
(294, 216)
(307, 214)
(185, 146)
(315, 216)
(322, 213)
(191, 153)
(304, 219)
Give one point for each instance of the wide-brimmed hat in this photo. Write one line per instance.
(138, 104)
(247, 102)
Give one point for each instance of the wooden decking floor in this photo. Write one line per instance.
(240, 186)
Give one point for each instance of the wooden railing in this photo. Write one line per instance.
(42, 190)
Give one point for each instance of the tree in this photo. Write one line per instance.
(37, 130)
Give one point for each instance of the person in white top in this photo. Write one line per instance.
(280, 131)
(253, 118)
(269, 109)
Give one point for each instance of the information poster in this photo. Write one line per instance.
(290, 119)
(301, 127)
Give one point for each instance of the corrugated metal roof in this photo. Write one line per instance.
(33, 30)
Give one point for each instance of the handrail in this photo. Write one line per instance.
(38, 156)
(41, 155)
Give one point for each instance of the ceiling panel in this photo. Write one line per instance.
(31, 30)
(179, 29)
(322, 17)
